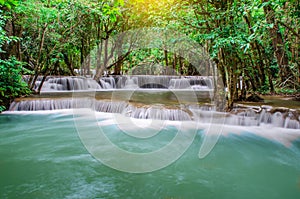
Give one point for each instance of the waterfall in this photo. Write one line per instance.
(127, 109)
(121, 86)
(249, 117)
(179, 84)
(196, 83)
(108, 82)
(131, 83)
(126, 82)
(148, 81)
(277, 119)
(292, 123)
(203, 114)
(201, 82)
(105, 85)
(69, 83)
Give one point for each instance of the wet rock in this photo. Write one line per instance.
(255, 98)
(266, 107)
(247, 107)
(279, 109)
(296, 97)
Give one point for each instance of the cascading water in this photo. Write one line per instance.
(239, 117)
(107, 82)
(163, 85)
(130, 83)
(69, 83)
(191, 82)
(43, 153)
(145, 112)
(126, 82)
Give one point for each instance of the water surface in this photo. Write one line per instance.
(41, 156)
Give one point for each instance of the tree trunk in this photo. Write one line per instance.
(174, 63)
(41, 84)
(230, 87)
(69, 63)
(82, 69)
(118, 68)
(255, 45)
(180, 66)
(297, 54)
(88, 64)
(105, 60)
(277, 43)
(99, 60)
(166, 57)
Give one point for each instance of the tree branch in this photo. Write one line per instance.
(289, 28)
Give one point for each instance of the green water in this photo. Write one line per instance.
(41, 156)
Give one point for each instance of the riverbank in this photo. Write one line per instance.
(287, 101)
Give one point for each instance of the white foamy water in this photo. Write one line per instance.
(277, 134)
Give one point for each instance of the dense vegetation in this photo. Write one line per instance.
(258, 41)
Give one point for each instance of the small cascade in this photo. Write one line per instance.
(69, 83)
(265, 115)
(179, 84)
(250, 116)
(131, 83)
(45, 104)
(247, 118)
(158, 113)
(161, 82)
(201, 82)
(146, 112)
(108, 82)
(92, 84)
(292, 123)
(197, 83)
(244, 118)
(109, 106)
(120, 81)
(157, 82)
(105, 85)
(126, 82)
(277, 119)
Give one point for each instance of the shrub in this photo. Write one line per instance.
(11, 82)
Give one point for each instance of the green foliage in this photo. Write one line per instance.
(264, 89)
(8, 3)
(57, 36)
(286, 91)
(11, 82)
(3, 37)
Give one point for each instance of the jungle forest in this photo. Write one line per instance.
(258, 41)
